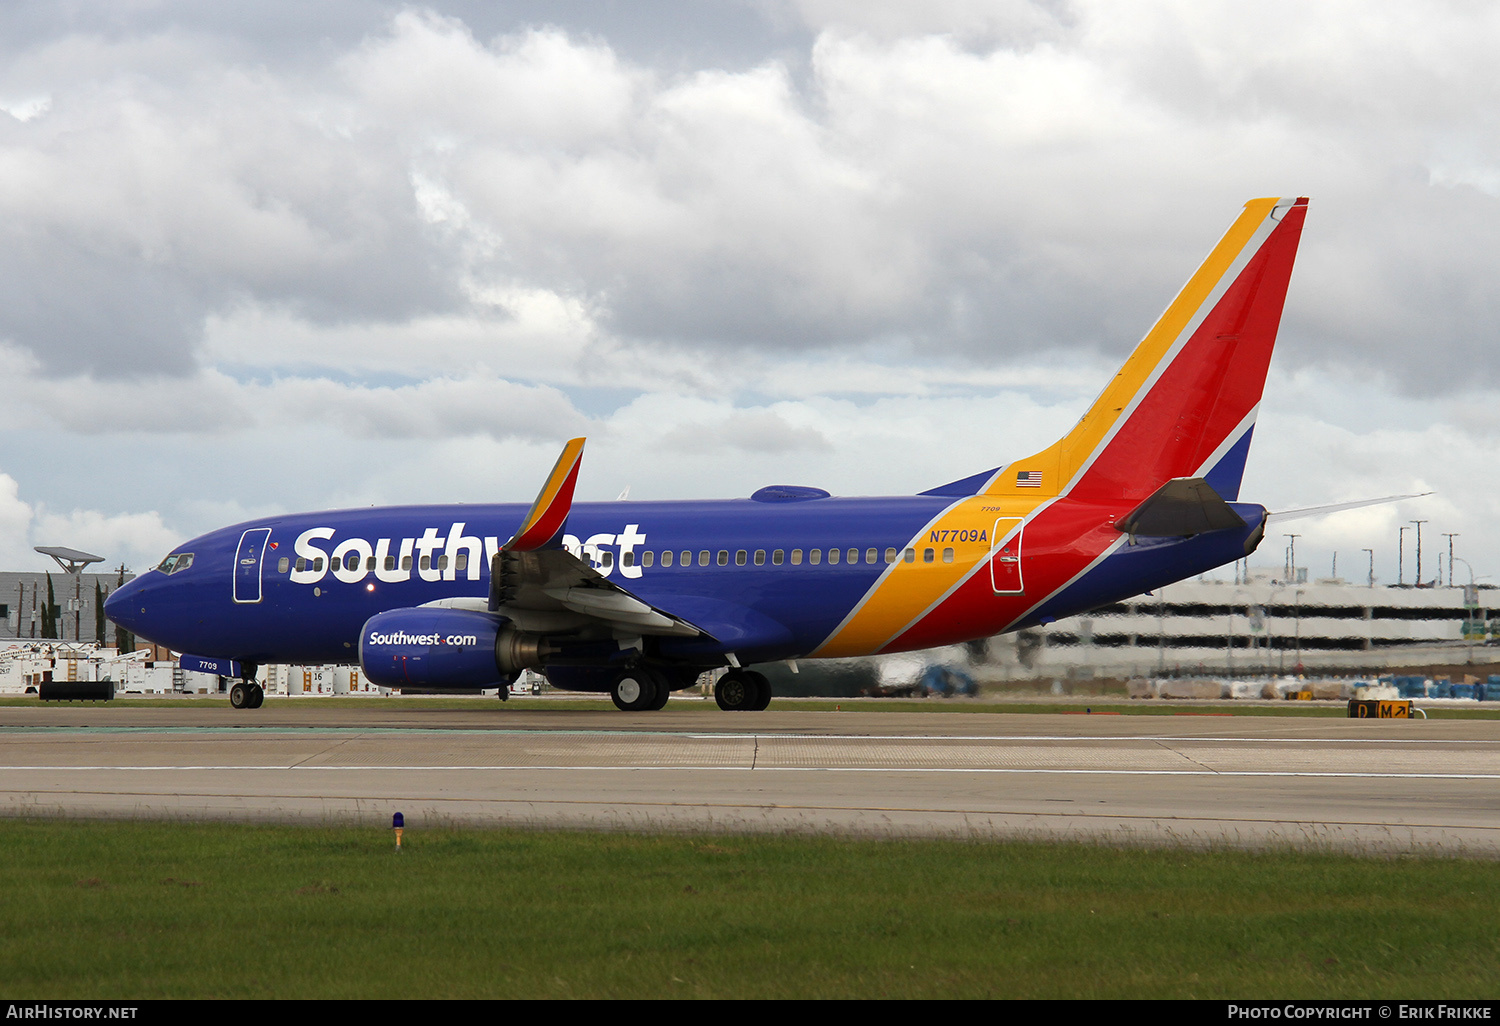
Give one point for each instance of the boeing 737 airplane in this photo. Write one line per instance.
(637, 599)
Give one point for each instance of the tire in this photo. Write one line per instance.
(762, 689)
(736, 691)
(663, 690)
(239, 696)
(634, 690)
(257, 696)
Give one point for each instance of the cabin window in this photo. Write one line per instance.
(606, 559)
(815, 556)
(739, 558)
(443, 562)
(947, 555)
(318, 564)
(927, 555)
(627, 559)
(351, 561)
(760, 557)
(910, 555)
(301, 564)
(703, 557)
(796, 557)
(647, 558)
(390, 562)
(723, 557)
(461, 561)
(833, 557)
(890, 555)
(666, 558)
(370, 563)
(776, 557)
(853, 555)
(282, 565)
(872, 555)
(406, 563)
(426, 562)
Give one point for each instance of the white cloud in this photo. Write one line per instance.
(137, 539)
(405, 267)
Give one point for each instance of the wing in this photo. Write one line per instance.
(552, 589)
(541, 586)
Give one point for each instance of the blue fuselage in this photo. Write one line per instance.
(298, 588)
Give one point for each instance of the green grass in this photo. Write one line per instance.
(143, 910)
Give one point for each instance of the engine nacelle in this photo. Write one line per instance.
(444, 648)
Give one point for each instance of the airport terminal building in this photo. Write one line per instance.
(1260, 625)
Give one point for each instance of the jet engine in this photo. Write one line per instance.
(445, 648)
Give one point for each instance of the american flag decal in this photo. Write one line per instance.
(1028, 479)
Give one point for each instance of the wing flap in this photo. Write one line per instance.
(548, 586)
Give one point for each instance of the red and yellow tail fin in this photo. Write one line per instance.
(544, 524)
(1184, 403)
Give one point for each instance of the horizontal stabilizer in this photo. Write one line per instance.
(1317, 511)
(1182, 507)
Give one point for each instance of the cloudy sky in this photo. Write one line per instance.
(267, 256)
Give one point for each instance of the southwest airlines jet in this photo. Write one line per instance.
(637, 599)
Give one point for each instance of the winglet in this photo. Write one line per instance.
(544, 524)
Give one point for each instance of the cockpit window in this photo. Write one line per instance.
(176, 563)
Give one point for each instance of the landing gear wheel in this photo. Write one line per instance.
(257, 696)
(634, 690)
(663, 691)
(239, 696)
(763, 688)
(740, 691)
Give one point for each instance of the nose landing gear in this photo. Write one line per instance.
(246, 694)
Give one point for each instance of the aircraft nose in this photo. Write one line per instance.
(123, 605)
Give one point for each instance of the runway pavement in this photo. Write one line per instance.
(1243, 781)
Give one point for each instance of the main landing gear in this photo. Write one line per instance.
(742, 691)
(638, 689)
(246, 694)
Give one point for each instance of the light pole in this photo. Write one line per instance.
(1371, 553)
(72, 562)
(1292, 556)
(1298, 608)
(1471, 608)
(1450, 535)
(1401, 556)
(1419, 524)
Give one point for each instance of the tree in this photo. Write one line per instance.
(124, 640)
(49, 612)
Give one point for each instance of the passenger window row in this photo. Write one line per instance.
(351, 562)
(705, 557)
(814, 557)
